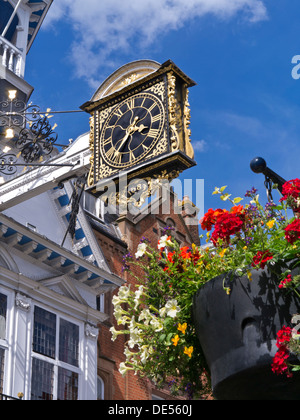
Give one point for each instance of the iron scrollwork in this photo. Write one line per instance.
(7, 164)
(36, 141)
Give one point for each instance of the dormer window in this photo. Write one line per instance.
(93, 205)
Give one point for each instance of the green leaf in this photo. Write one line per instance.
(225, 197)
(237, 200)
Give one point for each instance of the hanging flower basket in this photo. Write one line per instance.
(220, 314)
(238, 336)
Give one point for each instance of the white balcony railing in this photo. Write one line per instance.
(11, 57)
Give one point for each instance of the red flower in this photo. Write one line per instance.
(291, 189)
(210, 218)
(292, 231)
(261, 258)
(279, 365)
(226, 225)
(185, 252)
(284, 283)
(170, 259)
(291, 192)
(284, 336)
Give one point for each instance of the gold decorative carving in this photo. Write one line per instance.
(139, 189)
(173, 106)
(161, 147)
(158, 89)
(91, 176)
(130, 79)
(187, 121)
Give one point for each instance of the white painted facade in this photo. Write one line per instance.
(37, 272)
(50, 284)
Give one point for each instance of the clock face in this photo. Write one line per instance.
(131, 130)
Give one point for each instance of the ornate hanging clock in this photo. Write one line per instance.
(140, 121)
(132, 130)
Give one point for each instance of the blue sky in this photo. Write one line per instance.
(239, 52)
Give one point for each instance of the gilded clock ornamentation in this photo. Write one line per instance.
(132, 130)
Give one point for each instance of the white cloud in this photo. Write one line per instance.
(102, 27)
(199, 146)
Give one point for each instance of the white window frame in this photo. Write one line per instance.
(6, 343)
(99, 206)
(56, 362)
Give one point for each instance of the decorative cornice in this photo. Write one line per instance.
(91, 331)
(23, 302)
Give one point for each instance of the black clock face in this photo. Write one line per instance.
(132, 130)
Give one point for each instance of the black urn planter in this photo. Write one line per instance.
(238, 332)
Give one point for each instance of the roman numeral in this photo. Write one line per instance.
(110, 152)
(153, 132)
(106, 141)
(156, 118)
(119, 113)
(131, 156)
(130, 104)
(152, 107)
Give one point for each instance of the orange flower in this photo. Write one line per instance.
(175, 340)
(185, 252)
(182, 327)
(237, 209)
(189, 351)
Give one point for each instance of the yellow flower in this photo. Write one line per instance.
(175, 340)
(245, 248)
(249, 274)
(222, 253)
(270, 224)
(189, 351)
(182, 327)
(227, 290)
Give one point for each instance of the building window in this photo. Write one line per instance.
(68, 342)
(2, 355)
(100, 388)
(55, 361)
(3, 338)
(67, 385)
(101, 303)
(3, 311)
(42, 380)
(93, 205)
(44, 332)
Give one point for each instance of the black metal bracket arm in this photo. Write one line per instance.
(259, 166)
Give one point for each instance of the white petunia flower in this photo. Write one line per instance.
(134, 338)
(124, 292)
(146, 352)
(146, 316)
(158, 326)
(164, 242)
(141, 249)
(172, 308)
(115, 333)
(123, 368)
(138, 294)
(162, 312)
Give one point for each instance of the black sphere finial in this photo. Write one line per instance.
(258, 165)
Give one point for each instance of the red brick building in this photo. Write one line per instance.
(115, 243)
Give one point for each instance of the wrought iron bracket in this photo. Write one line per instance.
(259, 166)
